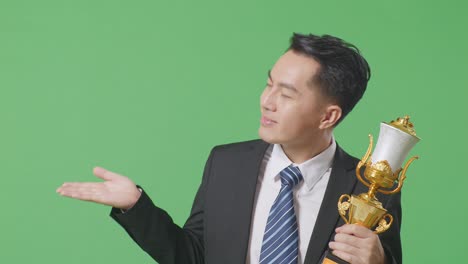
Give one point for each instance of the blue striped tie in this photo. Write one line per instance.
(280, 240)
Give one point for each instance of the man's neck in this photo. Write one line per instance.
(299, 153)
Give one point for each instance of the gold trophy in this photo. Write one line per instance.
(383, 169)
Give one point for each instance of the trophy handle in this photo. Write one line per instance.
(384, 224)
(402, 177)
(363, 161)
(343, 207)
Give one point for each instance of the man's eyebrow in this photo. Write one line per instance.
(284, 85)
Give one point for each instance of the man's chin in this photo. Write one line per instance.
(267, 137)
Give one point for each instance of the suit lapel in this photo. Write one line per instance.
(250, 163)
(342, 181)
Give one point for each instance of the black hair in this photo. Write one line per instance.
(343, 72)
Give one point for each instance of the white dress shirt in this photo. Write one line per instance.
(308, 196)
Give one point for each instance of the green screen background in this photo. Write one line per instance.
(147, 88)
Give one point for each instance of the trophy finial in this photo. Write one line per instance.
(404, 125)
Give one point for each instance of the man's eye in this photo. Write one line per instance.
(285, 96)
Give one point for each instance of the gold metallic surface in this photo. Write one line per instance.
(328, 261)
(364, 160)
(402, 177)
(380, 173)
(404, 125)
(343, 207)
(363, 211)
(384, 224)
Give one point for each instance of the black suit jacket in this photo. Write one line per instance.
(218, 228)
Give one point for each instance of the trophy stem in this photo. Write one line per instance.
(372, 190)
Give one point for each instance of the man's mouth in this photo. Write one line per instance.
(266, 121)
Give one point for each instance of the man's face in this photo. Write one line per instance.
(291, 109)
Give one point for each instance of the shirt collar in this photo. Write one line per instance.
(312, 170)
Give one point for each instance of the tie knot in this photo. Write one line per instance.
(291, 176)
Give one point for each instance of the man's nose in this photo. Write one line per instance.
(268, 100)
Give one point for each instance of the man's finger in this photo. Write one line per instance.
(77, 193)
(356, 230)
(83, 192)
(347, 239)
(75, 185)
(339, 246)
(105, 174)
(345, 256)
(79, 187)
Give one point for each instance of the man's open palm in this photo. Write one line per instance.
(116, 190)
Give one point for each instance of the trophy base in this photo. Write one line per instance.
(332, 259)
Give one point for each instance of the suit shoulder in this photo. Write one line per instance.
(347, 160)
(240, 146)
(253, 146)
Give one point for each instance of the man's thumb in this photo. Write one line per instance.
(104, 174)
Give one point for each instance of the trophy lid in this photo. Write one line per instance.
(404, 125)
(395, 141)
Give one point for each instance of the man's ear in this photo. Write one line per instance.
(330, 117)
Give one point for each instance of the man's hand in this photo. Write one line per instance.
(116, 190)
(357, 245)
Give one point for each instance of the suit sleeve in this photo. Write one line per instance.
(391, 241)
(155, 232)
